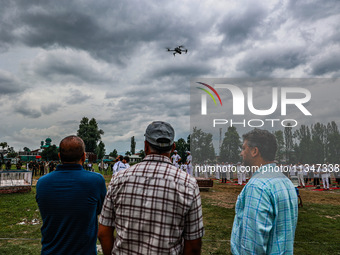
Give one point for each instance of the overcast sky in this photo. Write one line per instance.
(63, 60)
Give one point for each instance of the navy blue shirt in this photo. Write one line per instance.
(69, 200)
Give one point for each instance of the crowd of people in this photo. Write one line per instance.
(40, 168)
(155, 206)
(301, 174)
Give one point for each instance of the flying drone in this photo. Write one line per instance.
(178, 50)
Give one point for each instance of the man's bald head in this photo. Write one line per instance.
(71, 149)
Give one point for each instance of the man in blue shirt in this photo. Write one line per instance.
(69, 201)
(267, 208)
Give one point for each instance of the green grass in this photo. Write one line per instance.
(15, 238)
(318, 230)
(218, 222)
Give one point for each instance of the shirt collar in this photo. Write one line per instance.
(265, 168)
(69, 167)
(156, 157)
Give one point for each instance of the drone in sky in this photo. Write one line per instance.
(178, 50)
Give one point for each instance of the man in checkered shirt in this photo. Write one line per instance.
(267, 208)
(154, 206)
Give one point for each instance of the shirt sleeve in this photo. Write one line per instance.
(107, 216)
(257, 220)
(193, 228)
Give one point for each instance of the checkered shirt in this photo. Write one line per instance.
(266, 215)
(153, 206)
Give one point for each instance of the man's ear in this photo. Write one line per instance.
(146, 147)
(255, 152)
(83, 158)
(173, 148)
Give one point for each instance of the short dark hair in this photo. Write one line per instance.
(264, 141)
(71, 149)
(127, 159)
(159, 149)
(120, 157)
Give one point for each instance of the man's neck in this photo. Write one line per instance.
(262, 162)
(160, 154)
(65, 163)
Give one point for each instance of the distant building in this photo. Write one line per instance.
(48, 142)
(135, 158)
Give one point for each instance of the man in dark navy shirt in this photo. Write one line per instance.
(69, 200)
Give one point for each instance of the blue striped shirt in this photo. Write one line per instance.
(266, 215)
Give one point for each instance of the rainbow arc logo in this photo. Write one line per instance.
(209, 93)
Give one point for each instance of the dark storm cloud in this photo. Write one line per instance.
(7, 25)
(159, 83)
(240, 25)
(50, 108)
(154, 105)
(264, 61)
(24, 109)
(326, 65)
(9, 84)
(66, 68)
(308, 11)
(108, 30)
(184, 70)
(76, 97)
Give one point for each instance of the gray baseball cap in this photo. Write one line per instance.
(160, 133)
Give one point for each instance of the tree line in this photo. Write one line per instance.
(91, 134)
(315, 144)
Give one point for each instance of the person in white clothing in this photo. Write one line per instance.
(189, 163)
(118, 165)
(217, 171)
(316, 180)
(239, 173)
(126, 161)
(176, 159)
(229, 169)
(184, 167)
(324, 176)
(106, 166)
(300, 171)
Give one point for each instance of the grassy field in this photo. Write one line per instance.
(318, 230)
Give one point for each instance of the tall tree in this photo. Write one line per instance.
(11, 153)
(133, 145)
(3, 145)
(231, 146)
(303, 134)
(50, 153)
(182, 147)
(142, 154)
(288, 143)
(114, 153)
(332, 150)
(90, 133)
(100, 150)
(318, 132)
(26, 149)
(202, 149)
(280, 145)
